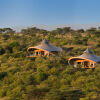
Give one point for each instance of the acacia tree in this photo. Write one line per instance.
(59, 30)
(66, 29)
(91, 30)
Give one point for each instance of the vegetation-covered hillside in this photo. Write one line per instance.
(54, 78)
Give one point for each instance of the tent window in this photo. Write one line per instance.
(79, 63)
(92, 65)
(42, 52)
(86, 64)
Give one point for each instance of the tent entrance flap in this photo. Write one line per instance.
(86, 63)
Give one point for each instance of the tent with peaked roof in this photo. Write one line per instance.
(44, 49)
(87, 59)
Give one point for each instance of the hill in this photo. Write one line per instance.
(54, 78)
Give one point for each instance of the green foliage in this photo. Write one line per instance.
(41, 76)
(47, 78)
(2, 51)
(14, 44)
(65, 94)
(2, 75)
(77, 40)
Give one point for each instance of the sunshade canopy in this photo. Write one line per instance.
(46, 46)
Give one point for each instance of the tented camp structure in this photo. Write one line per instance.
(86, 60)
(44, 49)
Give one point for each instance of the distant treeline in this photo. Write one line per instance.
(56, 31)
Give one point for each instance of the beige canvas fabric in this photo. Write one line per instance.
(46, 46)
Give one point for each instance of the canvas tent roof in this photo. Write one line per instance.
(46, 46)
(87, 54)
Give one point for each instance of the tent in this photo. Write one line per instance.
(44, 49)
(86, 60)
